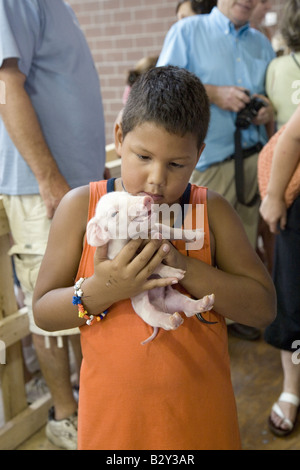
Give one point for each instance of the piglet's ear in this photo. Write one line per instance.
(95, 234)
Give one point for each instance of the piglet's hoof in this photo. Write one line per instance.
(176, 321)
(208, 302)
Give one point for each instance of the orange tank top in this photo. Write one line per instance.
(174, 393)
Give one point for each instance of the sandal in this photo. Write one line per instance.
(278, 431)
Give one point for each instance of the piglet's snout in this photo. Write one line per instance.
(148, 201)
(142, 210)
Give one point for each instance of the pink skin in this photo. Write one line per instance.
(160, 306)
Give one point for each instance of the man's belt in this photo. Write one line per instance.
(238, 157)
(246, 152)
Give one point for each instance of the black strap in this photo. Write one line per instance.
(295, 60)
(239, 172)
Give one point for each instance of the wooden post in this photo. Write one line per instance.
(21, 420)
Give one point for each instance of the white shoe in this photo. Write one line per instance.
(62, 433)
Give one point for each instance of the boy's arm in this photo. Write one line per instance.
(113, 280)
(243, 289)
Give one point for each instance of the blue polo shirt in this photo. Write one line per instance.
(211, 48)
(63, 85)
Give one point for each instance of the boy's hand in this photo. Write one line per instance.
(127, 274)
(174, 258)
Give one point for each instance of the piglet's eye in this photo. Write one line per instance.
(114, 214)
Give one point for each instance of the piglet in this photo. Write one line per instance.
(120, 216)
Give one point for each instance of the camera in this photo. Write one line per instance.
(245, 116)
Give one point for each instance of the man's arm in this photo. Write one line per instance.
(22, 125)
(234, 98)
(229, 98)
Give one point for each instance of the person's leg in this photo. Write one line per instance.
(55, 367)
(285, 329)
(291, 384)
(249, 214)
(76, 348)
(30, 227)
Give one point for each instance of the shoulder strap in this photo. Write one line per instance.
(295, 60)
(97, 190)
(86, 267)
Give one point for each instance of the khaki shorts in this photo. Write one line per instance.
(29, 227)
(220, 178)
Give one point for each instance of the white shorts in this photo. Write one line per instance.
(29, 227)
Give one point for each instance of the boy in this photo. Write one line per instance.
(176, 392)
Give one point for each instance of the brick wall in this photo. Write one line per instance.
(121, 32)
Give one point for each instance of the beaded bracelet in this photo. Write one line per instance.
(82, 312)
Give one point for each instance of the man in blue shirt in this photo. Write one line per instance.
(51, 140)
(229, 57)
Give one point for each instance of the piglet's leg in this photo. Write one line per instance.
(175, 301)
(153, 316)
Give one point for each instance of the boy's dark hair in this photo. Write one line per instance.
(290, 26)
(170, 97)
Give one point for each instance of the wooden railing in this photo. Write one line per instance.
(18, 420)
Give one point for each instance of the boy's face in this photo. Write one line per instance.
(156, 162)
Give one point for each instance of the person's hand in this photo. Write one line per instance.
(265, 114)
(230, 98)
(128, 273)
(52, 189)
(274, 212)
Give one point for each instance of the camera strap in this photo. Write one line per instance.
(239, 172)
